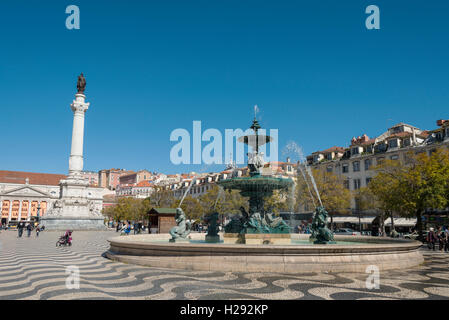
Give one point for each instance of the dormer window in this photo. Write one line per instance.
(397, 129)
(355, 151)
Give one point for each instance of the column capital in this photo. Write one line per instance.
(79, 104)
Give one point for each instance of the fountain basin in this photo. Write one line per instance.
(156, 251)
(257, 238)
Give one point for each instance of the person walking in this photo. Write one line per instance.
(20, 229)
(29, 228)
(431, 239)
(139, 227)
(446, 241)
(38, 229)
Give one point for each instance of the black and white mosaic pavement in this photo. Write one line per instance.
(34, 268)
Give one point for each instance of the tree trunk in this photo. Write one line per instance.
(392, 224)
(332, 221)
(382, 223)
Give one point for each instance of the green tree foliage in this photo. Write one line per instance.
(162, 198)
(278, 202)
(192, 208)
(127, 209)
(421, 183)
(222, 201)
(334, 195)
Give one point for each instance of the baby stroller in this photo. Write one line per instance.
(65, 240)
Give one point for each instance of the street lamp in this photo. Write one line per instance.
(38, 212)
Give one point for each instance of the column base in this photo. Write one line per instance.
(73, 223)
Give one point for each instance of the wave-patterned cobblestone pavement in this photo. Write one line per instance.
(34, 268)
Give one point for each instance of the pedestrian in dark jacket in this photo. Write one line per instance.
(431, 239)
(20, 227)
(29, 228)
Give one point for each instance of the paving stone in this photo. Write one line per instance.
(34, 268)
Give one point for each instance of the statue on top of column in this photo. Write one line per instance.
(81, 85)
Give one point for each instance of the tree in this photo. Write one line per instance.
(334, 196)
(192, 207)
(212, 200)
(127, 209)
(385, 188)
(233, 201)
(277, 202)
(367, 200)
(162, 198)
(410, 189)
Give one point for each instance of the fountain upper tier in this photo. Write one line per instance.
(255, 140)
(257, 186)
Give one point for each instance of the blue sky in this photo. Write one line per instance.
(316, 73)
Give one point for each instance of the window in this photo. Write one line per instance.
(345, 168)
(356, 166)
(393, 143)
(382, 147)
(329, 169)
(394, 157)
(356, 184)
(329, 156)
(346, 184)
(369, 149)
(406, 142)
(368, 180)
(355, 151)
(368, 163)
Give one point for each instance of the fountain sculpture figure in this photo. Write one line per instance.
(182, 230)
(320, 233)
(212, 228)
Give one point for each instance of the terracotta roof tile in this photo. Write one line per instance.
(19, 177)
(144, 183)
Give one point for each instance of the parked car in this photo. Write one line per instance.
(346, 232)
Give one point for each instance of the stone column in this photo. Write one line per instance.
(20, 211)
(79, 108)
(10, 211)
(29, 210)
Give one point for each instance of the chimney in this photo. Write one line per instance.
(288, 159)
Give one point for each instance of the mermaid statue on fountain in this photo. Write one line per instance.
(320, 233)
(182, 229)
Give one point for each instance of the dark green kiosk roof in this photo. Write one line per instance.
(162, 211)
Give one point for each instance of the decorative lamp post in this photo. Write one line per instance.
(38, 212)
